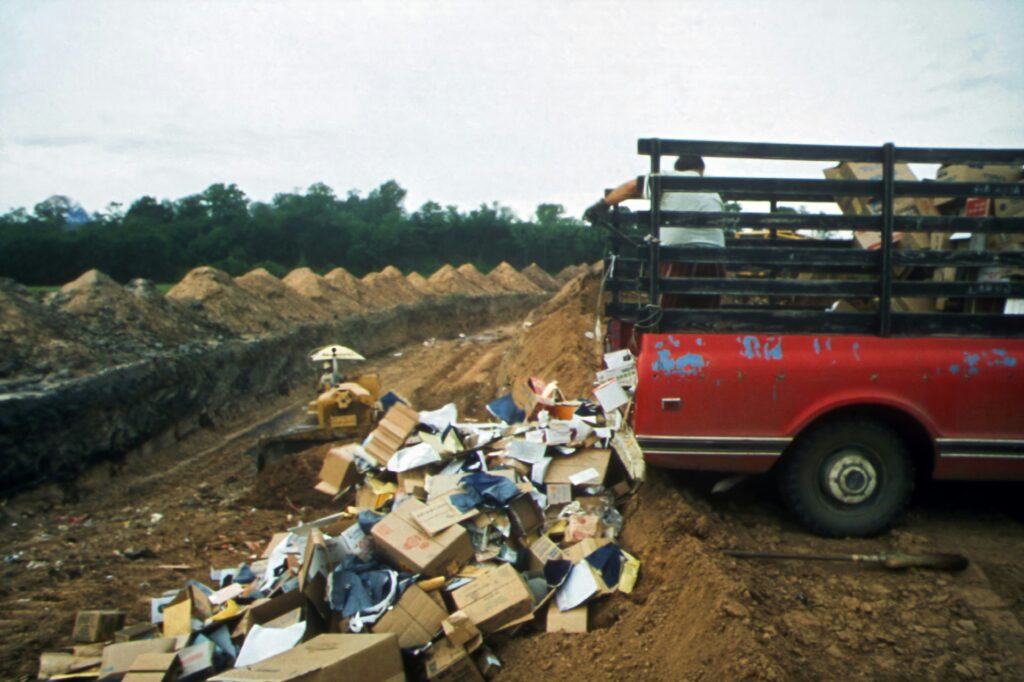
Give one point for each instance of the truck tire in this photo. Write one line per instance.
(848, 478)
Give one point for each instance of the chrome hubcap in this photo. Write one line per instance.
(851, 477)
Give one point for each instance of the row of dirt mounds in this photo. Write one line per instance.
(94, 322)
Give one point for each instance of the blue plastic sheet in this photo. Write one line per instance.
(505, 409)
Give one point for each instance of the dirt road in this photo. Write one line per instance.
(694, 615)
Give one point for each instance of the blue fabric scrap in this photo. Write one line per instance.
(483, 489)
(607, 560)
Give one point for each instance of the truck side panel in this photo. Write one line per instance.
(734, 402)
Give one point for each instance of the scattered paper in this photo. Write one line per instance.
(442, 418)
(585, 476)
(413, 457)
(526, 451)
(618, 358)
(226, 593)
(611, 396)
(261, 643)
(578, 587)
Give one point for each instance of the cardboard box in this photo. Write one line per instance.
(403, 542)
(327, 658)
(440, 513)
(460, 631)
(97, 626)
(390, 434)
(1006, 207)
(569, 469)
(263, 611)
(873, 205)
(53, 663)
(416, 618)
(543, 550)
(558, 493)
(338, 471)
(974, 172)
(118, 658)
(447, 662)
(316, 567)
(136, 632)
(573, 620)
(525, 515)
(494, 599)
(152, 668)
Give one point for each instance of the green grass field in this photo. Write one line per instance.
(43, 289)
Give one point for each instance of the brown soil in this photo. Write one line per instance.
(399, 286)
(285, 301)
(510, 279)
(132, 319)
(36, 340)
(449, 281)
(694, 615)
(569, 271)
(216, 295)
(322, 293)
(541, 278)
(420, 283)
(476, 278)
(354, 289)
(557, 341)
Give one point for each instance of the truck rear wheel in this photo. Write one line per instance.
(848, 478)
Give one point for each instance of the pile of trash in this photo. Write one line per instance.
(448, 533)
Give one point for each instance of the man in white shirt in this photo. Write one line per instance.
(690, 165)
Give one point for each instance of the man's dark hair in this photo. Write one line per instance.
(689, 162)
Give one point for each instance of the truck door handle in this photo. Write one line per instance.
(671, 404)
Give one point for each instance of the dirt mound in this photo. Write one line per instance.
(392, 278)
(569, 271)
(328, 298)
(541, 278)
(128, 320)
(218, 296)
(449, 281)
(36, 339)
(287, 302)
(510, 279)
(684, 620)
(558, 342)
(350, 285)
(419, 282)
(288, 483)
(476, 278)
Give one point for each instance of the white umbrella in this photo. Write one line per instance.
(334, 352)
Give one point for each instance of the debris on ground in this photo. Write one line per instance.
(446, 534)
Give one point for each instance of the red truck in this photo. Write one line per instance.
(918, 372)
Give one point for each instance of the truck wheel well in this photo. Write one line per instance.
(918, 441)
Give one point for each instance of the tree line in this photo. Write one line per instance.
(161, 240)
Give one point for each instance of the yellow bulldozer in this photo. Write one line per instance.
(345, 408)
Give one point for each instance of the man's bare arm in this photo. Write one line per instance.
(627, 190)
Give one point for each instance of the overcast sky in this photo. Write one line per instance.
(471, 102)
